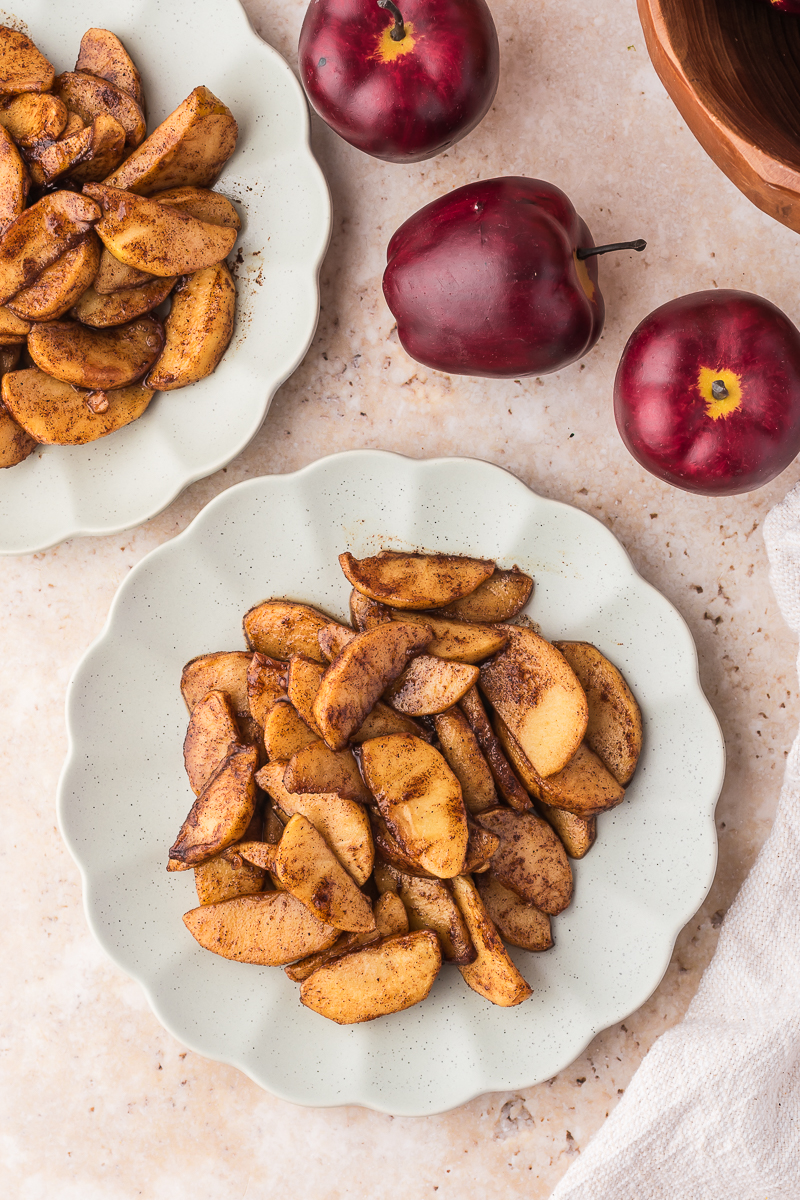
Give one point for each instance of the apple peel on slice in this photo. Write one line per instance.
(492, 974)
(211, 733)
(221, 813)
(415, 580)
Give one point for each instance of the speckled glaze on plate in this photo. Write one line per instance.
(123, 792)
(126, 478)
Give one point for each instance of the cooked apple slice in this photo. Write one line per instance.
(221, 813)
(280, 629)
(577, 834)
(480, 848)
(343, 823)
(198, 329)
(188, 149)
(333, 639)
(530, 858)
(103, 312)
(270, 929)
(74, 125)
(103, 54)
(458, 640)
(9, 357)
(303, 680)
(92, 358)
(584, 787)
(415, 580)
(360, 674)
(211, 733)
(430, 685)
(492, 974)
(390, 915)
(15, 443)
(114, 276)
(387, 977)
(309, 870)
(508, 785)
(40, 235)
(317, 768)
(517, 921)
(34, 117)
(614, 730)
(383, 720)
(90, 97)
(464, 757)
(499, 598)
(430, 905)
(266, 686)
(14, 181)
(390, 849)
(419, 798)
(203, 204)
(60, 285)
(227, 876)
(533, 688)
(365, 613)
(22, 67)
(12, 326)
(55, 413)
(87, 154)
(225, 671)
(285, 732)
(153, 237)
(258, 854)
(346, 943)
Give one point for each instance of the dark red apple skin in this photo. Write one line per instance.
(789, 6)
(419, 104)
(662, 416)
(483, 281)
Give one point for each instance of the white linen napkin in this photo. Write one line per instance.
(713, 1113)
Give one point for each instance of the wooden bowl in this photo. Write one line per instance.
(732, 68)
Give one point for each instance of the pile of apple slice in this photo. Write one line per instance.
(360, 816)
(84, 264)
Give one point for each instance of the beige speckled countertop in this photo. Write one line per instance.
(99, 1103)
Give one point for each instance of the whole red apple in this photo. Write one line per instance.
(401, 83)
(498, 278)
(707, 393)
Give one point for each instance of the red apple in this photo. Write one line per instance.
(707, 393)
(790, 6)
(491, 280)
(401, 83)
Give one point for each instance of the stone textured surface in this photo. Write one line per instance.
(98, 1101)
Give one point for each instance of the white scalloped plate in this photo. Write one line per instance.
(128, 477)
(123, 791)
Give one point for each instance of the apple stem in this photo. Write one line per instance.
(639, 245)
(399, 31)
(718, 390)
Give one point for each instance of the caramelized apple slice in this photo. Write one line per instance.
(309, 870)
(415, 580)
(270, 929)
(221, 813)
(23, 68)
(115, 276)
(518, 921)
(530, 858)
(492, 974)
(430, 905)
(614, 731)
(93, 358)
(280, 629)
(463, 754)
(508, 785)
(211, 733)
(40, 235)
(34, 117)
(14, 181)
(57, 413)
(60, 285)
(103, 54)
(87, 154)
(102, 312)
(90, 97)
(430, 685)
(203, 204)
(577, 834)
(15, 443)
(317, 768)
(498, 598)
(198, 329)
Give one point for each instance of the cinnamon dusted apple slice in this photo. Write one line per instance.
(103, 54)
(530, 858)
(211, 733)
(390, 849)
(115, 276)
(74, 125)
(198, 329)
(492, 974)
(60, 285)
(430, 685)
(415, 580)
(280, 629)
(577, 834)
(343, 823)
(614, 730)
(89, 153)
(56, 413)
(533, 688)
(201, 203)
(459, 640)
(583, 787)
(95, 358)
(153, 237)
(90, 97)
(430, 905)
(12, 327)
(14, 181)
(259, 854)
(346, 943)
(40, 235)
(102, 312)
(460, 748)
(517, 921)
(225, 671)
(266, 686)
(365, 613)
(285, 732)
(303, 680)
(309, 870)
(498, 598)
(317, 768)
(23, 68)
(189, 148)
(387, 977)
(226, 876)
(221, 813)
(508, 785)
(391, 917)
(269, 928)
(333, 639)
(359, 675)
(15, 443)
(34, 117)
(481, 847)
(420, 800)
(382, 720)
